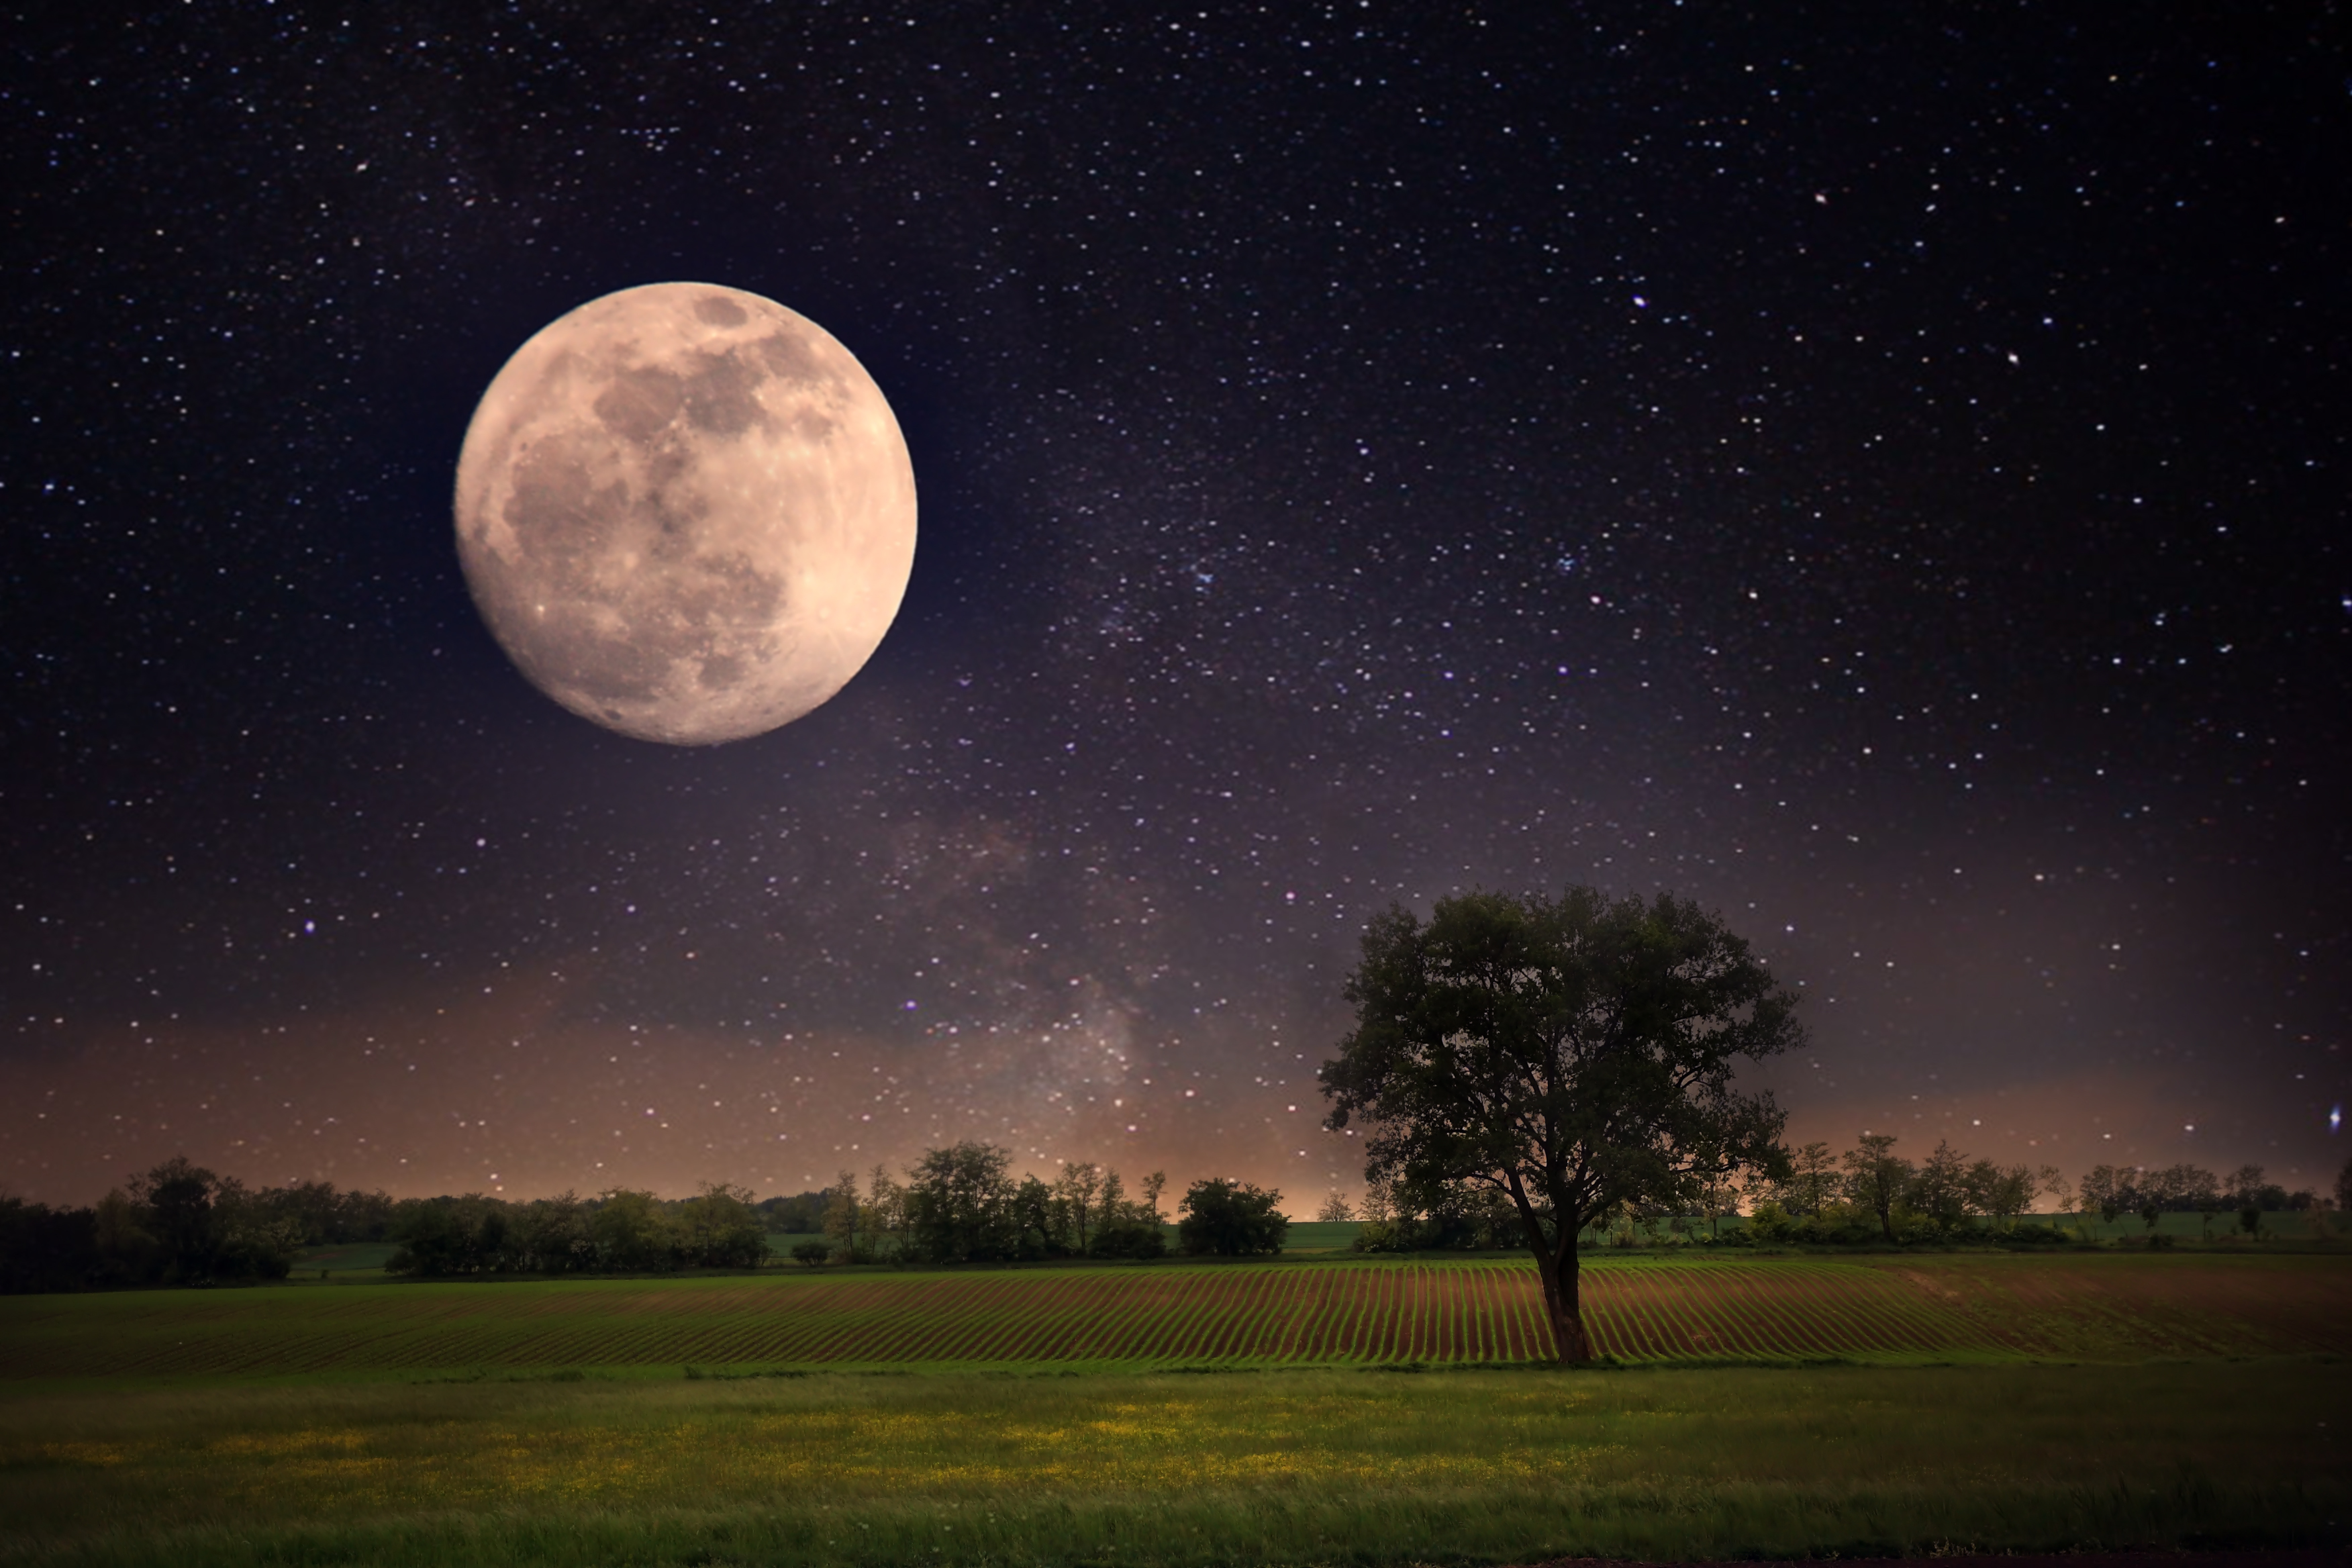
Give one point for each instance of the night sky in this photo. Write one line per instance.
(1879, 472)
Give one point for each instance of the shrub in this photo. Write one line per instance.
(1128, 1238)
(1231, 1219)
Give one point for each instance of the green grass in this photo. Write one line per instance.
(344, 1258)
(2083, 1401)
(1312, 1237)
(1312, 1465)
(1670, 1308)
(782, 1242)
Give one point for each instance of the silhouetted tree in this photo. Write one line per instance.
(127, 1252)
(556, 1237)
(1876, 1179)
(1812, 1180)
(178, 1200)
(799, 1214)
(2053, 1182)
(882, 1219)
(1939, 1188)
(718, 1230)
(841, 1209)
(2005, 1192)
(2104, 1190)
(431, 1242)
(1573, 1054)
(257, 1234)
(1124, 1229)
(633, 1232)
(1040, 1221)
(959, 1203)
(1078, 1188)
(1231, 1219)
(45, 1249)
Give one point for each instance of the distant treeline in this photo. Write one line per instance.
(961, 1205)
(180, 1224)
(1872, 1194)
(1868, 1195)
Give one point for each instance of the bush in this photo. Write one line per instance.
(1128, 1238)
(2035, 1236)
(812, 1253)
(721, 1229)
(1231, 1219)
(1911, 1230)
(633, 1232)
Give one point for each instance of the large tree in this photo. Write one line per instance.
(1877, 1178)
(178, 1197)
(1813, 1179)
(959, 1204)
(1231, 1219)
(1573, 1055)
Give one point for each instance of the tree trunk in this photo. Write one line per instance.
(1559, 1286)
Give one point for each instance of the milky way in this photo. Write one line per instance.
(1881, 475)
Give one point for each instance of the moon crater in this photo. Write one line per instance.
(686, 513)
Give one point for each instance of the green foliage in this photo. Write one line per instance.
(44, 1249)
(1460, 1217)
(1230, 1219)
(178, 1199)
(1876, 1179)
(178, 1224)
(960, 1204)
(1813, 1182)
(622, 1231)
(1571, 1056)
(719, 1228)
(1137, 1237)
(633, 1233)
(799, 1213)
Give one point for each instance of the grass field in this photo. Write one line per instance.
(1315, 1465)
(1894, 1311)
(1060, 1416)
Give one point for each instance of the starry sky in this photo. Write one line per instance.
(1879, 472)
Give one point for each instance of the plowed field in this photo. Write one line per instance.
(1371, 1313)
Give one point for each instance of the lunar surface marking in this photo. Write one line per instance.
(686, 513)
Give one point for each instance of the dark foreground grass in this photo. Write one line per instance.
(1306, 1466)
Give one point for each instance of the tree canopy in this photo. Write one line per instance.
(1231, 1219)
(1573, 1054)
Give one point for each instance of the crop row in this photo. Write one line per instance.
(1366, 1314)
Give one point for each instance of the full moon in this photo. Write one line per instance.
(686, 513)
